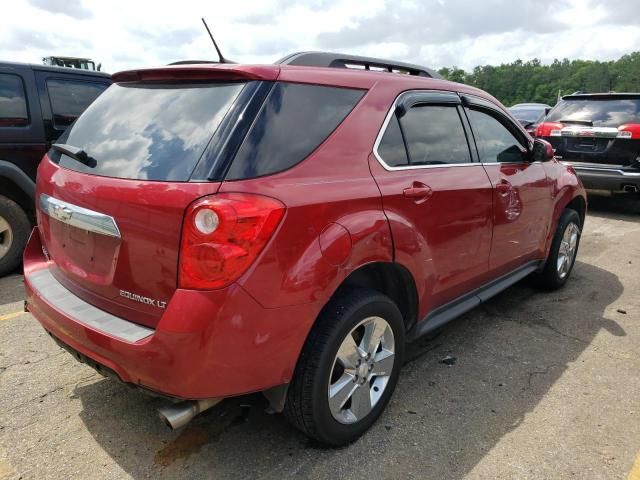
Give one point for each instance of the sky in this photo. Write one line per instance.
(124, 34)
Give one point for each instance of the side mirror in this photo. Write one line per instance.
(547, 110)
(542, 151)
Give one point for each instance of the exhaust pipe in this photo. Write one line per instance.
(630, 188)
(178, 415)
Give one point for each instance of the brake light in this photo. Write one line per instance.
(629, 130)
(549, 129)
(222, 235)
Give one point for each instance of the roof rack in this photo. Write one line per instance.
(339, 60)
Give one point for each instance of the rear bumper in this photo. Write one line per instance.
(606, 177)
(207, 344)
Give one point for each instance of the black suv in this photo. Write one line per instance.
(37, 104)
(599, 135)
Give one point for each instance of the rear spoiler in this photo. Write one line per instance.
(200, 72)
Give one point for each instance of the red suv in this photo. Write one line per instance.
(205, 231)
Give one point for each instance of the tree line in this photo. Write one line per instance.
(531, 81)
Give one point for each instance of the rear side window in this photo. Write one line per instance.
(494, 141)
(605, 112)
(70, 98)
(435, 135)
(148, 131)
(391, 148)
(13, 101)
(293, 122)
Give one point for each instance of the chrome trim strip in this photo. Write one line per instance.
(607, 171)
(383, 129)
(78, 216)
(73, 307)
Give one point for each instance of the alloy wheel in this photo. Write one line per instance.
(567, 249)
(361, 370)
(6, 237)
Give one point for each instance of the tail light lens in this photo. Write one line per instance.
(549, 129)
(222, 235)
(629, 130)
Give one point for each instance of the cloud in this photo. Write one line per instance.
(433, 21)
(22, 38)
(173, 38)
(123, 34)
(72, 8)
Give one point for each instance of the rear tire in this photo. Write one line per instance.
(562, 254)
(14, 233)
(348, 368)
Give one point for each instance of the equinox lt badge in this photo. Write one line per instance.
(139, 298)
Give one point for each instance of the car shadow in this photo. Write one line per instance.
(442, 420)
(619, 205)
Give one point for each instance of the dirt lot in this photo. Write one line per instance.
(545, 386)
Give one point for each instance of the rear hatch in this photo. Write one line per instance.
(600, 129)
(114, 191)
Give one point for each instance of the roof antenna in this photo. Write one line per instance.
(221, 58)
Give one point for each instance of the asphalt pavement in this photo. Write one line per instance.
(541, 386)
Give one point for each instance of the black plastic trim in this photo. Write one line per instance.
(419, 98)
(341, 60)
(463, 304)
(225, 142)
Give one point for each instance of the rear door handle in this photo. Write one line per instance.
(419, 192)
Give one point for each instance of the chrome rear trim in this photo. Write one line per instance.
(601, 169)
(56, 295)
(79, 217)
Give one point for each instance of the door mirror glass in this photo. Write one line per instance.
(542, 151)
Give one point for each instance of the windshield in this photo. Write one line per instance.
(148, 132)
(530, 115)
(608, 112)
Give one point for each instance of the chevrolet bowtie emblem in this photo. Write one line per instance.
(62, 213)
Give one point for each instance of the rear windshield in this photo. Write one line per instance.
(598, 112)
(148, 132)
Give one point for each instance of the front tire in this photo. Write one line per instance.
(563, 252)
(348, 368)
(14, 233)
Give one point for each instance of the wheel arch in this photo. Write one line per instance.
(17, 186)
(579, 204)
(390, 279)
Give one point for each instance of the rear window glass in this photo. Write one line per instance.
(597, 112)
(148, 132)
(294, 120)
(13, 103)
(70, 98)
(391, 148)
(435, 135)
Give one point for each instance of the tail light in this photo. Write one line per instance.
(549, 129)
(630, 130)
(222, 235)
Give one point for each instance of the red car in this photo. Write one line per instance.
(205, 231)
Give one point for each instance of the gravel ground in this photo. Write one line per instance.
(545, 385)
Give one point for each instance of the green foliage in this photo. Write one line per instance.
(531, 81)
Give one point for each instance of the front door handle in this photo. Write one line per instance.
(418, 192)
(504, 187)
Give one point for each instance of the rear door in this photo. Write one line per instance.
(63, 98)
(438, 199)
(112, 225)
(21, 131)
(522, 192)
